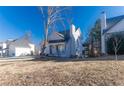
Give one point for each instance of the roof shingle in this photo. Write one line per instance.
(110, 22)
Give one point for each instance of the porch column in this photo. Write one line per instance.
(103, 36)
(2, 53)
(103, 45)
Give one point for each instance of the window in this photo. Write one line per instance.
(50, 49)
(61, 48)
(0, 47)
(13, 54)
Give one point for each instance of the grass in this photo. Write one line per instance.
(62, 73)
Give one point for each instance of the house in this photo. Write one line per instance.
(17, 47)
(110, 26)
(65, 43)
(3, 49)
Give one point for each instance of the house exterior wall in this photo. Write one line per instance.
(0, 53)
(3, 47)
(52, 47)
(72, 41)
(78, 40)
(32, 48)
(20, 51)
(75, 42)
(47, 50)
(11, 51)
(68, 48)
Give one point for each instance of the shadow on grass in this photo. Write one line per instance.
(94, 59)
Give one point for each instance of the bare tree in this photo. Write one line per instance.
(116, 40)
(51, 15)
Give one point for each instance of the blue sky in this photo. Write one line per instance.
(16, 21)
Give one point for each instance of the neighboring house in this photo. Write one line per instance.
(65, 43)
(108, 27)
(17, 47)
(3, 49)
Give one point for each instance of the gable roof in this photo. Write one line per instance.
(64, 34)
(21, 42)
(110, 22)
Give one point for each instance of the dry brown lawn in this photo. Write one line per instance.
(62, 73)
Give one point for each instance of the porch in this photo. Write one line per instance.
(57, 49)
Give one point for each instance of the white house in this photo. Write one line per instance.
(109, 26)
(65, 43)
(17, 47)
(3, 48)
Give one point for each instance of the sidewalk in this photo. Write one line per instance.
(16, 58)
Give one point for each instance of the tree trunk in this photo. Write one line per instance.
(46, 40)
(46, 35)
(116, 57)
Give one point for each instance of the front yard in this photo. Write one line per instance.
(62, 73)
